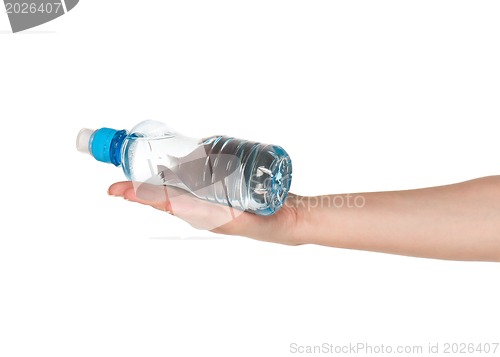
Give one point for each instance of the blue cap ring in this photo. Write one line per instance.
(101, 144)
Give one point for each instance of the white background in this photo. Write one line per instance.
(364, 95)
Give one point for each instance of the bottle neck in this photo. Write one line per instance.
(106, 145)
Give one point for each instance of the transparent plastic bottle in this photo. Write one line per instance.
(238, 173)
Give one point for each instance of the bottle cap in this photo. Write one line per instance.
(101, 146)
(83, 140)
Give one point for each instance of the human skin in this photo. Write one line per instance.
(458, 222)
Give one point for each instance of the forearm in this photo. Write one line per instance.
(459, 221)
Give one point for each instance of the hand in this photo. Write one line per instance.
(459, 221)
(285, 226)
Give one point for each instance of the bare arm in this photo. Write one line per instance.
(458, 222)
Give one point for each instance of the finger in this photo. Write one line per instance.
(151, 195)
(118, 189)
(199, 213)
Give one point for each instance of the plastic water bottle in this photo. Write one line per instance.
(238, 173)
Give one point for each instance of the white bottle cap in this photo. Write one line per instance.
(83, 140)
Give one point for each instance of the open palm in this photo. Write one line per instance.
(284, 226)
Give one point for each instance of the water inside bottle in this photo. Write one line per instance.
(238, 173)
